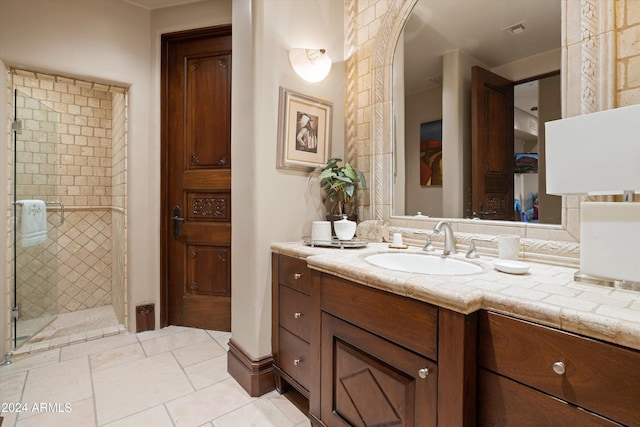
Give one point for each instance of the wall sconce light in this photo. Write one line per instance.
(598, 154)
(312, 65)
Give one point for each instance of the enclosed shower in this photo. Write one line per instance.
(68, 209)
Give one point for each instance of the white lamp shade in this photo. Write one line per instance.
(594, 154)
(609, 237)
(312, 65)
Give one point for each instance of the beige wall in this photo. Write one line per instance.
(112, 42)
(271, 204)
(94, 51)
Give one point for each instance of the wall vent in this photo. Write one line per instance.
(516, 28)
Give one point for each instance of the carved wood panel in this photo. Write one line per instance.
(209, 270)
(209, 207)
(208, 94)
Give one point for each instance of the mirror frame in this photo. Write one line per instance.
(588, 43)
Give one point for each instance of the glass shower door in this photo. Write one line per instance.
(35, 252)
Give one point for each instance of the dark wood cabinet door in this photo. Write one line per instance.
(369, 381)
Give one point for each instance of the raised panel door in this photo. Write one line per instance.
(369, 381)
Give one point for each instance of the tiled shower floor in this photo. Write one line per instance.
(172, 377)
(69, 328)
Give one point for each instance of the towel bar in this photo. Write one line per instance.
(55, 202)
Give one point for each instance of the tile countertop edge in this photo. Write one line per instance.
(517, 296)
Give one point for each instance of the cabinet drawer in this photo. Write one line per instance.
(505, 403)
(294, 357)
(294, 273)
(411, 323)
(294, 312)
(597, 376)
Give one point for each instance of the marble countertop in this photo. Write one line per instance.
(546, 294)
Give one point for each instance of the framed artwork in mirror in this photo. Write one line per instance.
(526, 163)
(304, 131)
(431, 153)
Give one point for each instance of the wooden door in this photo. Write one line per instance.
(491, 145)
(196, 178)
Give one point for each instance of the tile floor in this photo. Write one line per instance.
(172, 377)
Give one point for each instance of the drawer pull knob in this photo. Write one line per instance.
(423, 373)
(297, 276)
(559, 368)
(297, 315)
(297, 361)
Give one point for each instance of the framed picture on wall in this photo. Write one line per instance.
(431, 153)
(304, 131)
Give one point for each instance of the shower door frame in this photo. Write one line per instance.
(17, 310)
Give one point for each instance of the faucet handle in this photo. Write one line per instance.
(428, 246)
(472, 253)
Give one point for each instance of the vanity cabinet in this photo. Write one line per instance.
(377, 357)
(291, 311)
(364, 356)
(535, 375)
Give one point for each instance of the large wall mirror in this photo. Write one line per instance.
(471, 94)
(587, 81)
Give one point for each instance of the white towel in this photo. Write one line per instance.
(34, 222)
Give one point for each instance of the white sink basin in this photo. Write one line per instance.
(425, 264)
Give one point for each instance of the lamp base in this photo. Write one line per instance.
(602, 281)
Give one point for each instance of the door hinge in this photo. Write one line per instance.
(15, 312)
(16, 126)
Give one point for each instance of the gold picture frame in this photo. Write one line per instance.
(304, 131)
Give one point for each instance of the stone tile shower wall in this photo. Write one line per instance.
(628, 52)
(85, 168)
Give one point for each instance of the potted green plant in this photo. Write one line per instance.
(340, 185)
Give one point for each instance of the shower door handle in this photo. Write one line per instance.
(177, 219)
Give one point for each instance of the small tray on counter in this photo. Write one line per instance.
(356, 242)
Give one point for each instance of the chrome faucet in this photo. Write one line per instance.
(449, 237)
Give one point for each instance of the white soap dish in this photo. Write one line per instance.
(511, 266)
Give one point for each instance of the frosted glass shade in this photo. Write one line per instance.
(312, 65)
(597, 153)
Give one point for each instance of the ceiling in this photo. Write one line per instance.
(159, 4)
(475, 27)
